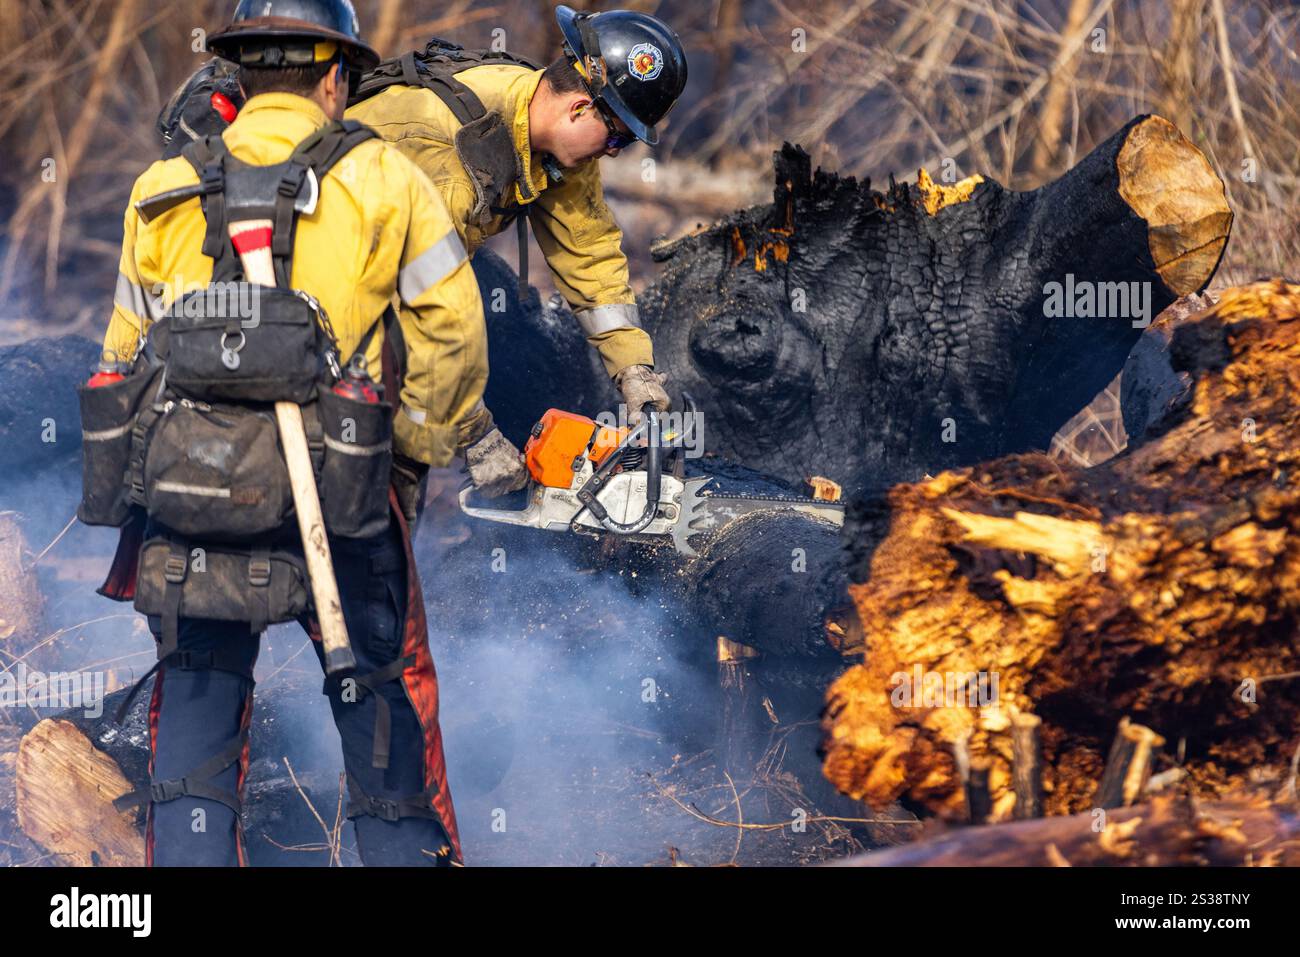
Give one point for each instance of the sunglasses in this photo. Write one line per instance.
(617, 139)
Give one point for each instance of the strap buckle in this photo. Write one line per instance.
(160, 791)
(190, 660)
(291, 181)
(383, 808)
(259, 572)
(214, 178)
(175, 568)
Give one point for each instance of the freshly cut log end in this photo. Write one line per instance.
(1162, 585)
(1169, 183)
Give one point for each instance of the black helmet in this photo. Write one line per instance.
(251, 39)
(632, 62)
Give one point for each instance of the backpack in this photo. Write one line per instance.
(484, 142)
(190, 436)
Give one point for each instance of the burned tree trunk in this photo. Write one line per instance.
(537, 354)
(1162, 586)
(876, 336)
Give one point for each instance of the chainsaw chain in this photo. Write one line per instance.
(784, 499)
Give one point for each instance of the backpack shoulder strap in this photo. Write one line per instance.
(435, 69)
(331, 143)
(417, 70)
(314, 156)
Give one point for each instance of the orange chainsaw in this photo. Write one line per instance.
(593, 479)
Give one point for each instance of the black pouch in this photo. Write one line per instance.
(108, 414)
(357, 464)
(241, 342)
(262, 586)
(216, 472)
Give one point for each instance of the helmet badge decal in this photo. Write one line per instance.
(645, 61)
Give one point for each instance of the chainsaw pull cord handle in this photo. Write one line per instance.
(654, 474)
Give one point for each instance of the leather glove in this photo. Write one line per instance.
(408, 483)
(642, 386)
(496, 467)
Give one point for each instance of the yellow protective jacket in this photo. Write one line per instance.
(574, 227)
(379, 233)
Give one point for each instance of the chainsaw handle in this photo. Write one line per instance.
(470, 505)
(649, 425)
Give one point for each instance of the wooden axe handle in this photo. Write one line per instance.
(259, 268)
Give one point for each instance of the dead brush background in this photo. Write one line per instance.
(1013, 89)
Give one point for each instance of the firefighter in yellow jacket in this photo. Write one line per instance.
(376, 233)
(620, 74)
(388, 232)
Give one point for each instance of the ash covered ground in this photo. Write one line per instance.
(585, 722)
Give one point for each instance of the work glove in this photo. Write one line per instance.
(496, 467)
(408, 483)
(642, 386)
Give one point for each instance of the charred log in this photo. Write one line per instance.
(768, 582)
(1160, 586)
(876, 336)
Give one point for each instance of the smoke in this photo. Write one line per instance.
(565, 682)
(556, 702)
(560, 689)
(80, 630)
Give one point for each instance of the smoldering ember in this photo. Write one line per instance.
(756, 434)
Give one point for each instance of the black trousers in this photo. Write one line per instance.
(199, 711)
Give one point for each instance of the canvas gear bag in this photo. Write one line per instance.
(356, 463)
(261, 585)
(206, 460)
(108, 415)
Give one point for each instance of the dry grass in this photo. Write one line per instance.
(1015, 89)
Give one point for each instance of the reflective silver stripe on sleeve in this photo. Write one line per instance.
(134, 299)
(415, 415)
(606, 318)
(430, 267)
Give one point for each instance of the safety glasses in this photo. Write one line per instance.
(617, 138)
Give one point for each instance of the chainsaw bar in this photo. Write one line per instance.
(707, 512)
